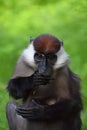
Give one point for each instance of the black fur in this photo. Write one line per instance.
(66, 110)
(22, 86)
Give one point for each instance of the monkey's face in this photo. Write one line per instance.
(45, 62)
(46, 54)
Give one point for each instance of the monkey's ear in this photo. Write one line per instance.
(31, 39)
(62, 43)
(22, 69)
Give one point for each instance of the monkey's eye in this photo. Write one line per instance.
(38, 57)
(52, 58)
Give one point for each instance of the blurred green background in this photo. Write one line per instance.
(66, 19)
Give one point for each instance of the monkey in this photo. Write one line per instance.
(50, 91)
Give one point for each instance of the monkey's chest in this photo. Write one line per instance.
(42, 95)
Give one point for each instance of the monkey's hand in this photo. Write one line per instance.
(33, 113)
(40, 79)
(61, 110)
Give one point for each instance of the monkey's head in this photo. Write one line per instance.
(46, 47)
(44, 54)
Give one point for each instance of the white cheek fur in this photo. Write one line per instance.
(29, 56)
(62, 59)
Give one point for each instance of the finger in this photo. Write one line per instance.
(29, 115)
(21, 110)
(25, 114)
(26, 110)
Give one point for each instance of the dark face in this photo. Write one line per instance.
(45, 62)
(46, 47)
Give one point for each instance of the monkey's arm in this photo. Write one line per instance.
(61, 110)
(20, 87)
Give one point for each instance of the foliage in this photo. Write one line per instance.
(21, 19)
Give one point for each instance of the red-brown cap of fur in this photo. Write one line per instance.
(46, 44)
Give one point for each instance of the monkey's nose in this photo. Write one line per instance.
(46, 72)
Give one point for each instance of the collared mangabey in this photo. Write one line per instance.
(50, 91)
